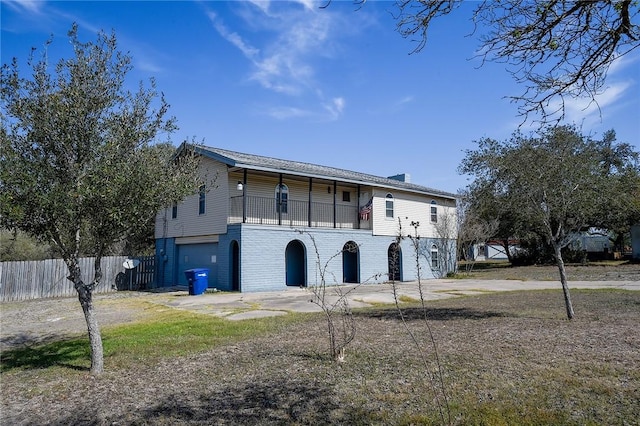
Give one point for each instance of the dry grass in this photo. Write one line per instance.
(509, 358)
(594, 271)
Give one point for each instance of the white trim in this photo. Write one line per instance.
(198, 239)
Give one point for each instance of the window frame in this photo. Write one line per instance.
(433, 210)
(389, 206)
(174, 210)
(202, 200)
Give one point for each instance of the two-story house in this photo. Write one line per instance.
(268, 223)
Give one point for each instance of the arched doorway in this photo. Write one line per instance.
(234, 266)
(394, 255)
(295, 263)
(350, 266)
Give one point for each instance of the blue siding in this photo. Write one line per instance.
(262, 257)
(224, 256)
(166, 255)
(191, 256)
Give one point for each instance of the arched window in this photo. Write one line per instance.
(282, 196)
(434, 212)
(434, 257)
(389, 206)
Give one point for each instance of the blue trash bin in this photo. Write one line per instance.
(198, 280)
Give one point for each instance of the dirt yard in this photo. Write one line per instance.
(40, 321)
(510, 356)
(591, 272)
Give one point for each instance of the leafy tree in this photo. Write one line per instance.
(484, 207)
(559, 182)
(554, 48)
(81, 168)
(16, 245)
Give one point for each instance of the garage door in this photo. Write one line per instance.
(192, 256)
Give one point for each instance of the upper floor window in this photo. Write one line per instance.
(434, 212)
(174, 211)
(346, 196)
(201, 199)
(389, 206)
(282, 198)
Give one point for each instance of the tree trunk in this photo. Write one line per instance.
(95, 339)
(563, 280)
(505, 245)
(85, 296)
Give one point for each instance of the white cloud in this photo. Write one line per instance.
(232, 37)
(262, 5)
(308, 4)
(335, 108)
(285, 45)
(147, 65)
(327, 111)
(590, 112)
(28, 6)
(288, 57)
(282, 113)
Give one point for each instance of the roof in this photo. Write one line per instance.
(269, 164)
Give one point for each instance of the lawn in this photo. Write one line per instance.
(507, 358)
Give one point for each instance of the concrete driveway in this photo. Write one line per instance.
(238, 306)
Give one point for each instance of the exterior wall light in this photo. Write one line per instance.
(239, 186)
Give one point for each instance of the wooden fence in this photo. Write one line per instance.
(48, 278)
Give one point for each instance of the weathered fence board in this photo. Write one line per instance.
(48, 278)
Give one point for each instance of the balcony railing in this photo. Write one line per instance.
(292, 213)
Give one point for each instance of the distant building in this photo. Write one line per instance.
(492, 250)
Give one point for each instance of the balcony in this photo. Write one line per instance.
(293, 213)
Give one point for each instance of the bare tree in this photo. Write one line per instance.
(435, 375)
(334, 302)
(441, 253)
(555, 49)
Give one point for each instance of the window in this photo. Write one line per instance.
(434, 257)
(201, 200)
(174, 211)
(389, 206)
(346, 196)
(434, 212)
(282, 198)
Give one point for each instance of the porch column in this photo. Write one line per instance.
(310, 201)
(279, 204)
(335, 186)
(358, 207)
(244, 196)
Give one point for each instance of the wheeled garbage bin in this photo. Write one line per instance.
(198, 280)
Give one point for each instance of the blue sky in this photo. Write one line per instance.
(335, 86)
